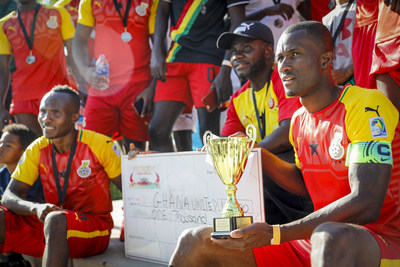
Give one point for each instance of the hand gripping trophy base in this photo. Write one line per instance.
(229, 155)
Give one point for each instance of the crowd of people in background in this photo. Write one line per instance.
(161, 59)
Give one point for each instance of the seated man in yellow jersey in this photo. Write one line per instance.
(262, 102)
(76, 168)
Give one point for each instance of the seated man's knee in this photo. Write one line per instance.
(55, 222)
(195, 238)
(331, 233)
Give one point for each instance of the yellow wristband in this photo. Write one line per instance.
(226, 63)
(276, 235)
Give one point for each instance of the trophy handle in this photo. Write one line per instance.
(206, 137)
(251, 132)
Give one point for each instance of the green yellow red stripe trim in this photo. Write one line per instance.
(184, 24)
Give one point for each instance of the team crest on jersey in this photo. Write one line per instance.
(52, 22)
(271, 103)
(141, 10)
(378, 127)
(84, 170)
(336, 150)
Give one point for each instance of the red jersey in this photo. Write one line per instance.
(367, 12)
(71, 6)
(53, 26)
(272, 104)
(95, 162)
(129, 61)
(359, 127)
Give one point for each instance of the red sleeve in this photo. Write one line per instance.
(233, 124)
(287, 106)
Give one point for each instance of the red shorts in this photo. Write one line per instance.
(362, 48)
(87, 234)
(25, 106)
(385, 57)
(297, 253)
(114, 113)
(186, 82)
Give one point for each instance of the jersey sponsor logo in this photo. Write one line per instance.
(372, 110)
(336, 150)
(97, 3)
(11, 28)
(52, 22)
(141, 9)
(84, 170)
(116, 150)
(378, 127)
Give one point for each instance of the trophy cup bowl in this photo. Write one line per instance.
(229, 155)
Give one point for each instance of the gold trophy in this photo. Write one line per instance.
(229, 155)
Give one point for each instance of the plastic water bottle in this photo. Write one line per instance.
(103, 69)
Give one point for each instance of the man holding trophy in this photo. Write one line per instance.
(262, 102)
(343, 139)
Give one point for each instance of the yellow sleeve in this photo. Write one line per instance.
(27, 170)
(67, 26)
(5, 45)
(152, 18)
(371, 117)
(296, 158)
(85, 13)
(106, 152)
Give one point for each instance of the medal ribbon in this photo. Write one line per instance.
(118, 8)
(62, 193)
(28, 40)
(261, 128)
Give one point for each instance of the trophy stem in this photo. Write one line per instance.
(232, 207)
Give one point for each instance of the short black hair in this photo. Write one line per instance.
(25, 135)
(318, 31)
(65, 89)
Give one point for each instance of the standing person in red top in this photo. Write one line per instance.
(76, 168)
(122, 34)
(346, 141)
(35, 35)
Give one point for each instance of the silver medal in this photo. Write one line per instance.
(126, 37)
(30, 59)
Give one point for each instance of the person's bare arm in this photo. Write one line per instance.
(13, 199)
(78, 78)
(222, 82)
(278, 140)
(157, 62)
(284, 10)
(4, 86)
(80, 53)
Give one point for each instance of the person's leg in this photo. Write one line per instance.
(55, 231)
(30, 120)
(387, 85)
(183, 140)
(339, 244)
(160, 127)
(208, 121)
(195, 248)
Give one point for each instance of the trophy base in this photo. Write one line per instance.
(224, 226)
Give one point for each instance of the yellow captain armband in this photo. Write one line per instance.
(370, 152)
(276, 235)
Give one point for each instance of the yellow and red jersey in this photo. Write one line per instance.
(129, 61)
(72, 6)
(53, 26)
(359, 127)
(272, 104)
(96, 161)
